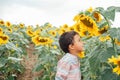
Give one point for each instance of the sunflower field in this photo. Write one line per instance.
(99, 61)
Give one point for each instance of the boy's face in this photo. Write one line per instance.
(78, 44)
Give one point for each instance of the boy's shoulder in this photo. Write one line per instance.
(68, 58)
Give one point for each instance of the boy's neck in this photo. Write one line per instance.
(73, 54)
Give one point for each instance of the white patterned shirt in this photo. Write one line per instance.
(68, 68)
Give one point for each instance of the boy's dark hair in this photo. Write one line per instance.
(66, 39)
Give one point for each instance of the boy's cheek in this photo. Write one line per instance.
(82, 48)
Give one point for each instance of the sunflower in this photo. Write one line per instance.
(53, 33)
(97, 16)
(7, 24)
(117, 70)
(81, 54)
(77, 27)
(117, 42)
(89, 24)
(41, 29)
(104, 38)
(2, 22)
(65, 26)
(49, 25)
(21, 25)
(10, 30)
(90, 9)
(30, 32)
(115, 61)
(1, 31)
(61, 31)
(29, 27)
(45, 40)
(103, 29)
(71, 28)
(37, 32)
(41, 40)
(112, 60)
(35, 39)
(84, 33)
(54, 46)
(77, 17)
(3, 39)
(37, 25)
(14, 27)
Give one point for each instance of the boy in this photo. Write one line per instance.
(68, 67)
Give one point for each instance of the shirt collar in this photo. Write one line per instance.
(71, 55)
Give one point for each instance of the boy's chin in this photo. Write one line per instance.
(83, 49)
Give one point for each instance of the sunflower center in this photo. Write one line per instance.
(30, 32)
(3, 37)
(1, 22)
(119, 63)
(103, 31)
(87, 22)
(0, 30)
(8, 24)
(71, 28)
(96, 16)
(53, 33)
(43, 40)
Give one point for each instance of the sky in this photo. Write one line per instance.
(56, 12)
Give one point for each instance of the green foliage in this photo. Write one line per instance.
(47, 62)
(95, 66)
(11, 53)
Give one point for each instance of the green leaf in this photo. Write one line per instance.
(3, 61)
(15, 59)
(101, 9)
(110, 13)
(117, 9)
(11, 46)
(55, 52)
(112, 32)
(38, 67)
(10, 77)
(118, 33)
(94, 60)
(102, 24)
(108, 75)
(18, 67)
(107, 53)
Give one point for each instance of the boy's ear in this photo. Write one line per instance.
(71, 46)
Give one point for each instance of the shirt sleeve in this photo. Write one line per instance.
(62, 71)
